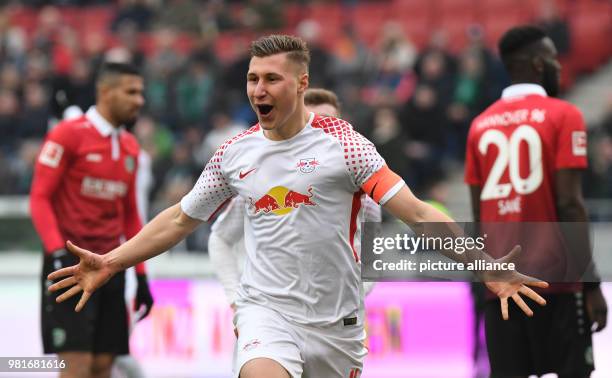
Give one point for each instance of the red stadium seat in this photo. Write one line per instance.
(294, 13)
(97, 18)
(448, 7)
(500, 8)
(368, 20)
(24, 18)
(496, 24)
(455, 27)
(416, 8)
(227, 45)
(71, 16)
(418, 29)
(330, 18)
(591, 28)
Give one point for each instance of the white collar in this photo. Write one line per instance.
(102, 125)
(523, 89)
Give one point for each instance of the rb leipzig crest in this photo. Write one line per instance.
(307, 165)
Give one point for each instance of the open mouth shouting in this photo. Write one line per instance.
(264, 109)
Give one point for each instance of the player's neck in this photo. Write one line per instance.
(106, 114)
(525, 80)
(291, 128)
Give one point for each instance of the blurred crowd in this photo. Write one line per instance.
(414, 102)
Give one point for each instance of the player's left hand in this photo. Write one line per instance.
(596, 308)
(144, 299)
(510, 284)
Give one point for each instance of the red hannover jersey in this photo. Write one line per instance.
(83, 188)
(514, 149)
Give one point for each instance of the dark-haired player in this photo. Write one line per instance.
(524, 160)
(83, 190)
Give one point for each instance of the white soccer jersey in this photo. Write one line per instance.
(303, 199)
(230, 223)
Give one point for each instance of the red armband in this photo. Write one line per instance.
(382, 185)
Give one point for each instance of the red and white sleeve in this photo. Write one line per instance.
(211, 192)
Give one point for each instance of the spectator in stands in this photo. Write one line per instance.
(12, 41)
(426, 126)
(263, 15)
(469, 98)
(390, 140)
(128, 40)
(194, 92)
(162, 69)
(9, 78)
(7, 178)
(393, 61)
(35, 115)
(135, 12)
(438, 43)
(555, 26)
(600, 160)
(437, 75)
(215, 18)
(180, 15)
(9, 119)
(223, 128)
(320, 60)
(350, 57)
(395, 49)
(22, 167)
(354, 109)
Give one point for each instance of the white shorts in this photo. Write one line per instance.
(304, 351)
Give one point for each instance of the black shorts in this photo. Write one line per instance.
(100, 327)
(557, 339)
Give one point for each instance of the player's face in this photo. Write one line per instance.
(323, 109)
(126, 98)
(552, 68)
(275, 87)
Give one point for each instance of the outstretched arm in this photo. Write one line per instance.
(164, 231)
(412, 211)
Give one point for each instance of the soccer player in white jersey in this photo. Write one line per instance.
(226, 241)
(303, 177)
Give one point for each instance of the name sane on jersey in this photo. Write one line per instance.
(509, 206)
(516, 117)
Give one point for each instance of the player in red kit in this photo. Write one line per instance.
(84, 189)
(524, 159)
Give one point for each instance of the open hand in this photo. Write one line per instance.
(89, 274)
(513, 283)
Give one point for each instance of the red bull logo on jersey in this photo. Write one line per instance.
(281, 201)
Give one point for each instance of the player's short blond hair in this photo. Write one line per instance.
(296, 49)
(320, 96)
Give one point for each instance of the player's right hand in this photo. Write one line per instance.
(89, 274)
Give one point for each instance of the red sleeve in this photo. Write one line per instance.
(132, 222)
(472, 173)
(572, 141)
(51, 165)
